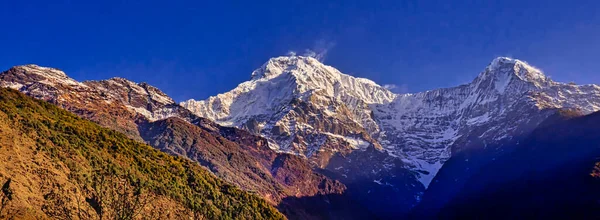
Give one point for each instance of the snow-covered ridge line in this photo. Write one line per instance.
(419, 127)
(300, 76)
(275, 66)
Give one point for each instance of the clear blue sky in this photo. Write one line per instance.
(195, 49)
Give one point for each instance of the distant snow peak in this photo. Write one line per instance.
(295, 97)
(504, 69)
(500, 62)
(309, 76)
(278, 65)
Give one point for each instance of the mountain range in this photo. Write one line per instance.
(318, 143)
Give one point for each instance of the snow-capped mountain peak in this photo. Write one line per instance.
(505, 69)
(282, 79)
(302, 105)
(310, 74)
(278, 65)
(284, 90)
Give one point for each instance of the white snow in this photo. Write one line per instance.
(14, 85)
(479, 119)
(501, 82)
(356, 143)
(142, 111)
(431, 168)
(267, 97)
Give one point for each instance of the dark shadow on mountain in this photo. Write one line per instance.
(331, 206)
(451, 178)
(552, 173)
(458, 170)
(377, 181)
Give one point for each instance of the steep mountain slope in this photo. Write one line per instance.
(218, 154)
(58, 165)
(146, 114)
(553, 173)
(307, 108)
(273, 175)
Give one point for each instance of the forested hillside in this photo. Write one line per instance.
(57, 165)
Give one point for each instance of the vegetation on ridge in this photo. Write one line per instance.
(56, 164)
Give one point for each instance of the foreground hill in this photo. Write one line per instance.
(57, 165)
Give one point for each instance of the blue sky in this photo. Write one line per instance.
(194, 49)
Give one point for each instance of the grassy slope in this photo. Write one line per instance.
(49, 153)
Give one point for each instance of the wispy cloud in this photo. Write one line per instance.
(401, 89)
(320, 49)
(291, 53)
(389, 86)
